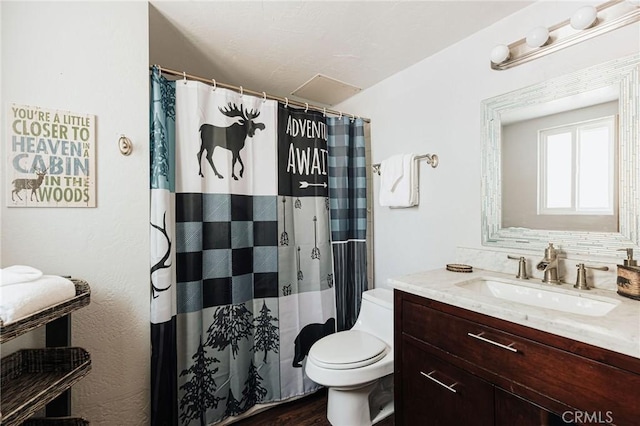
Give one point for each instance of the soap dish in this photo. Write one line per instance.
(456, 267)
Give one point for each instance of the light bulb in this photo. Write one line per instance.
(537, 37)
(584, 18)
(499, 54)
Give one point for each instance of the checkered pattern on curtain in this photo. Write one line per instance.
(227, 250)
(348, 211)
(347, 179)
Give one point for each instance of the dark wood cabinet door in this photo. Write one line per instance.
(435, 393)
(512, 410)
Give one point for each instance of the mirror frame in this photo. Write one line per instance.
(624, 73)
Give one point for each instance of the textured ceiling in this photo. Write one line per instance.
(276, 46)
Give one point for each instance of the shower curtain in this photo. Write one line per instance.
(242, 267)
(348, 195)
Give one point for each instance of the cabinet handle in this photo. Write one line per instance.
(428, 376)
(508, 347)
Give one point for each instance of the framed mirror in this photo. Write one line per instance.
(515, 186)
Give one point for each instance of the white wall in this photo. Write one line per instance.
(91, 57)
(434, 107)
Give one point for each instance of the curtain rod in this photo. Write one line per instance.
(242, 90)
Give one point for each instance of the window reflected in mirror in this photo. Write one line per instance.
(576, 168)
(559, 170)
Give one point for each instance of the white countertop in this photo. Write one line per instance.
(618, 330)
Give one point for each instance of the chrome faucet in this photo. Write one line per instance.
(549, 265)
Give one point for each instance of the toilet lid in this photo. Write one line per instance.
(347, 349)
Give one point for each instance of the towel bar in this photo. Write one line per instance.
(431, 159)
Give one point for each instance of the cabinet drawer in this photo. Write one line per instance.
(437, 393)
(578, 382)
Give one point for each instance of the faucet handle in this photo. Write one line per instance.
(522, 266)
(581, 278)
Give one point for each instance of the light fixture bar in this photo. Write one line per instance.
(611, 15)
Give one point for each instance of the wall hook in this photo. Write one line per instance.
(125, 145)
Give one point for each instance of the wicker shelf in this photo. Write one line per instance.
(40, 318)
(31, 378)
(56, 421)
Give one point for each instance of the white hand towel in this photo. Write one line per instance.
(18, 274)
(402, 194)
(392, 170)
(20, 300)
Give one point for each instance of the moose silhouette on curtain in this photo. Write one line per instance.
(232, 138)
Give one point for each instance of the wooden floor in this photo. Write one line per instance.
(307, 411)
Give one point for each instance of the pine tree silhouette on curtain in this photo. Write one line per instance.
(266, 335)
(231, 324)
(253, 391)
(200, 390)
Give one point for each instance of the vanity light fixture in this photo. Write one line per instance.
(537, 37)
(500, 53)
(585, 17)
(586, 22)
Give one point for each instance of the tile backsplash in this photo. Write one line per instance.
(496, 260)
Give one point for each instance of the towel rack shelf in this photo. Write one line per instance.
(431, 159)
(38, 319)
(33, 379)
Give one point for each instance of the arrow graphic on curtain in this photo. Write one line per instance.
(305, 184)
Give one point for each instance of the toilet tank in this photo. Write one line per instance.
(376, 314)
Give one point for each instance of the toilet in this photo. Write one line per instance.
(357, 365)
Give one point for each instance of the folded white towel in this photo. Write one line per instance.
(404, 192)
(22, 299)
(18, 274)
(392, 170)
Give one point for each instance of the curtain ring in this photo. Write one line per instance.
(241, 91)
(286, 104)
(264, 97)
(159, 70)
(353, 117)
(324, 111)
(340, 118)
(215, 85)
(184, 77)
(306, 107)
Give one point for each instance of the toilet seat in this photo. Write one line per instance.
(347, 350)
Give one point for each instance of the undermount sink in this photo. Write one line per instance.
(538, 296)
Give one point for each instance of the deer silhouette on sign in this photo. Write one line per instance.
(232, 138)
(32, 184)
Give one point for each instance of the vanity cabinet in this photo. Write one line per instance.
(446, 395)
(503, 373)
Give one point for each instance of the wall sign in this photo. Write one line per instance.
(51, 158)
